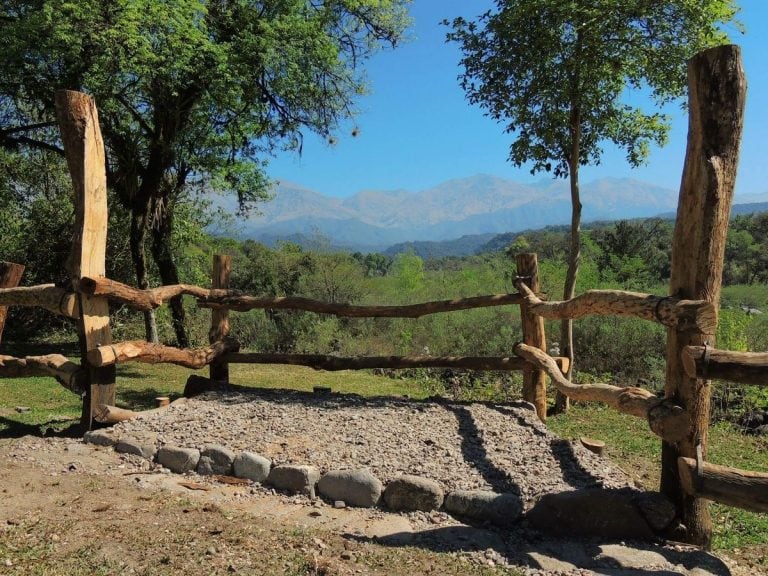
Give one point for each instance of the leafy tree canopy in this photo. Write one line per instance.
(542, 66)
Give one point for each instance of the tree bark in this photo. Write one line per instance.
(574, 253)
(138, 255)
(717, 90)
(534, 379)
(169, 273)
(742, 367)
(730, 486)
(10, 276)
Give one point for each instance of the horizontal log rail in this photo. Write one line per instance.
(48, 296)
(685, 315)
(710, 363)
(730, 486)
(141, 351)
(245, 303)
(235, 300)
(70, 375)
(137, 299)
(667, 420)
(335, 363)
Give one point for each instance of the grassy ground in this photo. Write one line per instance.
(630, 443)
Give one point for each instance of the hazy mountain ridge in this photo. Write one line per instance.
(373, 220)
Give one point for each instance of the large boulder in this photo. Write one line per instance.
(354, 487)
(413, 493)
(498, 509)
(177, 459)
(294, 479)
(252, 466)
(215, 459)
(602, 513)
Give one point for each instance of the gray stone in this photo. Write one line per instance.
(499, 509)
(215, 459)
(252, 466)
(657, 509)
(623, 557)
(354, 487)
(604, 513)
(413, 493)
(178, 459)
(143, 445)
(295, 479)
(100, 437)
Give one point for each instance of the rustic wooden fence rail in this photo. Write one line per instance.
(680, 419)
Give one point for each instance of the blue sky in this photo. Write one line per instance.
(416, 129)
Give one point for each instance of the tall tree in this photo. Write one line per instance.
(192, 93)
(557, 74)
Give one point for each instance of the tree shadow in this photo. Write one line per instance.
(574, 472)
(52, 429)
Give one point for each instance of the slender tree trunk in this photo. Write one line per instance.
(169, 273)
(574, 253)
(138, 233)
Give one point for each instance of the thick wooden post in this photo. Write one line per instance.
(222, 267)
(84, 149)
(10, 276)
(534, 379)
(717, 89)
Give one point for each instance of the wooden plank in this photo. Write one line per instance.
(10, 276)
(70, 375)
(534, 378)
(741, 367)
(730, 486)
(222, 268)
(84, 150)
(717, 88)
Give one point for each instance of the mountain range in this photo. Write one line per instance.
(374, 220)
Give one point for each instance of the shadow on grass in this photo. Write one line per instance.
(21, 349)
(53, 429)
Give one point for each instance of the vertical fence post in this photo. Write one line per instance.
(84, 149)
(534, 380)
(717, 90)
(222, 267)
(10, 276)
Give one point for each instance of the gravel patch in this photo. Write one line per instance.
(462, 446)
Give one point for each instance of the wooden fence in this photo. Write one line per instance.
(680, 419)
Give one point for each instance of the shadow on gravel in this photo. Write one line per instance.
(53, 429)
(475, 453)
(559, 556)
(573, 471)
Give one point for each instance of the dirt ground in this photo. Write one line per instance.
(74, 509)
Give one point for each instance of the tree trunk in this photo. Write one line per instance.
(10, 276)
(717, 90)
(138, 233)
(169, 273)
(574, 253)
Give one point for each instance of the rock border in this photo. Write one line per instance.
(647, 514)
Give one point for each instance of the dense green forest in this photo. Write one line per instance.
(36, 220)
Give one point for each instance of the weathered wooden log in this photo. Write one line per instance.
(245, 303)
(730, 486)
(142, 299)
(106, 414)
(222, 268)
(694, 315)
(717, 91)
(10, 276)
(335, 363)
(670, 420)
(142, 351)
(70, 375)
(84, 150)
(711, 363)
(534, 379)
(48, 296)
